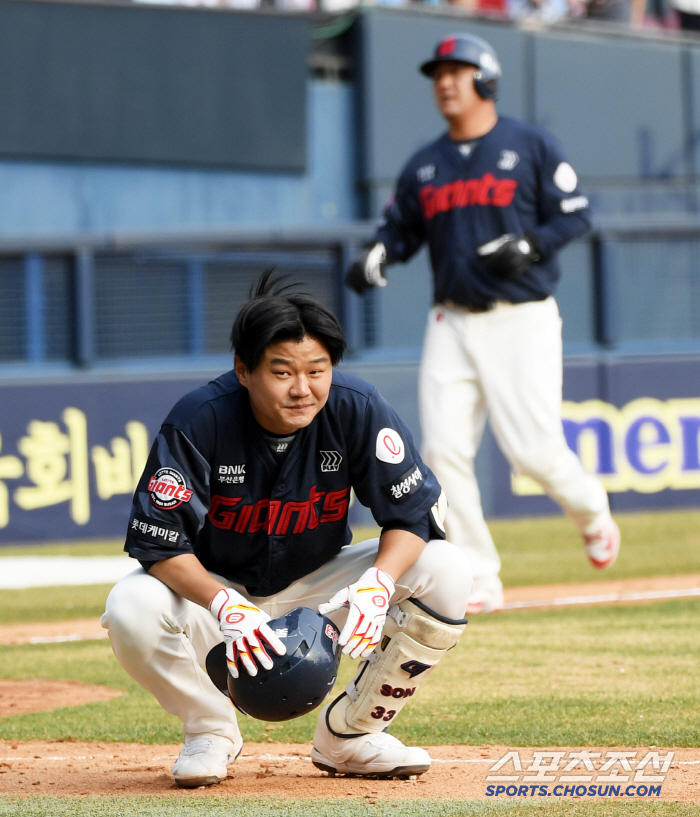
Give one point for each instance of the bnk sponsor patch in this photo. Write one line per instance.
(405, 485)
(168, 489)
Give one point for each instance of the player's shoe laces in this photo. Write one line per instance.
(603, 546)
(376, 755)
(203, 761)
(486, 597)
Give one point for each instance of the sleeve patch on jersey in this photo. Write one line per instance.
(574, 204)
(405, 485)
(390, 447)
(168, 489)
(154, 531)
(425, 174)
(565, 178)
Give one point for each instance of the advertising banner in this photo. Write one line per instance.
(71, 454)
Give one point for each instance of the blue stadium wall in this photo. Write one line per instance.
(72, 441)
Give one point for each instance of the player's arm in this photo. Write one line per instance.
(243, 625)
(399, 236)
(405, 499)
(564, 211)
(164, 524)
(186, 576)
(398, 550)
(564, 215)
(368, 598)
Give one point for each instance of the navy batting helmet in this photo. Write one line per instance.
(298, 681)
(474, 51)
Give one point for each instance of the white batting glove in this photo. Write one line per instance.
(367, 271)
(368, 600)
(244, 628)
(374, 266)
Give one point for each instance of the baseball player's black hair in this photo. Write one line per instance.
(276, 312)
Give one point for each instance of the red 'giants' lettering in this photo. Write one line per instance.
(279, 518)
(466, 193)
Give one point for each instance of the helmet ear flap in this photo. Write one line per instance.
(486, 88)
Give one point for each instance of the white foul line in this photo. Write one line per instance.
(647, 595)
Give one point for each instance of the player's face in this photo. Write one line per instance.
(290, 385)
(453, 85)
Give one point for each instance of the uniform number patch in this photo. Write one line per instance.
(390, 446)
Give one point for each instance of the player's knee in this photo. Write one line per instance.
(452, 578)
(136, 607)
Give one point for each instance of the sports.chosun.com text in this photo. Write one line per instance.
(573, 791)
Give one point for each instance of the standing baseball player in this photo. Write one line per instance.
(495, 199)
(242, 514)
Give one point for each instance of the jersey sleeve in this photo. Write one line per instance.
(171, 500)
(402, 228)
(386, 471)
(564, 209)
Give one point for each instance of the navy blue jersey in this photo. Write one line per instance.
(212, 486)
(516, 180)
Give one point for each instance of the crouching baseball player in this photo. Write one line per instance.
(242, 515)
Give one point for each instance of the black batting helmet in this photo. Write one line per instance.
(298, 681)
(474, 51)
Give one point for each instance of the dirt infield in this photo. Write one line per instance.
(20, 697)
(281, 770)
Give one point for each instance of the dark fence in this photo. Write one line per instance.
(633, 285)
(90, 300)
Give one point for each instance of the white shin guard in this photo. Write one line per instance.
(414, 639)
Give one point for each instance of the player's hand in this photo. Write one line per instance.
(510, 255)
(245, 632)
(368, 270)
(368, 600)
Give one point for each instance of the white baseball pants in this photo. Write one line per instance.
(162, 640)
(505, 364)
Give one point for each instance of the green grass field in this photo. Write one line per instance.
(606, 676)
(582, 676)
(217, 807)
(533, 551)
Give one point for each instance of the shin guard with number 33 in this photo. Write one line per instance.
(413, 641)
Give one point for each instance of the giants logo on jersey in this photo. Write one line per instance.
(275, 517)
(488, 190)
(167, 489)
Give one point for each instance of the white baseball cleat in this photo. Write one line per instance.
(603, 546)
(203, 761)
(375, 755)
(486, 596)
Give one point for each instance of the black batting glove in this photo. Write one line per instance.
(367, 271)
(510, 255)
